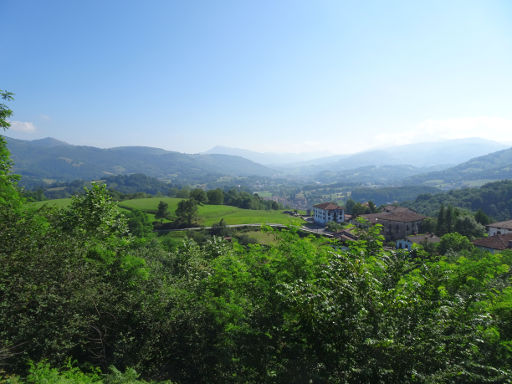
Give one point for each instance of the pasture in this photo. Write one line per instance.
(208, 214)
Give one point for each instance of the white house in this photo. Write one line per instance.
(500, 228)
(326, 212)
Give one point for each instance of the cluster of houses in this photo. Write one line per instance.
(499, 237)
(400, 224)
(403, 226)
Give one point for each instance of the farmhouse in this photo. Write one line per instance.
(494, 243)
(426, 238)
(499, 228)
(398, 222)
(327, 212)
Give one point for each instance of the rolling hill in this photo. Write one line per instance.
(54, 160)
(422, 155)
(475, 172)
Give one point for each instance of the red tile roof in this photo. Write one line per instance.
(502, 224)
(499, 242)
(391, 213)
(328, 206)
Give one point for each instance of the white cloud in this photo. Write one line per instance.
(486, 127)
(22, 126)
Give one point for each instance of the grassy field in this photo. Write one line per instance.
(208, 214)
(59, 203)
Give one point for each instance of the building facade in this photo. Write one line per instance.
(327, 212)
(500, 228)
(397, 222)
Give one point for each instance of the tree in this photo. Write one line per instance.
(482, 218)
(139, 223)
(467, 225)
(186, 212)
(349, 206)
(220, 229)
(94, 214)
(454, 242)
(441, 226)
(9, 195)
(332, 226)
(162, 211)
(428, 225)
(215, 196)
(199, 195)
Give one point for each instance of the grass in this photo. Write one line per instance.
(58, 203)
(265, 238)
(208, 214)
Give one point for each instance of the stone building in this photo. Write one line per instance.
(398, 222)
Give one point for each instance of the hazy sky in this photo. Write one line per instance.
(290, 76)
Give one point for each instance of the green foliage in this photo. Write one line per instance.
(482, 218)
(186, 212)
(493, 199)
(162, 211)
(387, 195)
(215, 196)
(94, 214)
(139, 223)
(8, 193)
(199, 195)
(220, 229)
(454, 242)
(246, 200)
(333, 226)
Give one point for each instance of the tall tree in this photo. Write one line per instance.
(186, 212)
(8, 192)
(162, 211)
(199, 195)
(441, 227)
(215, 196)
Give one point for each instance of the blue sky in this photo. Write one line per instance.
(287, 76)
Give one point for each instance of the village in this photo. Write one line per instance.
(401, 226)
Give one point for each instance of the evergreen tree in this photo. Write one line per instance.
(441, 227)
(162, 211)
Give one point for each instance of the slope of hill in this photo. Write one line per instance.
(57, 161)
(495, 199)
(475, 172)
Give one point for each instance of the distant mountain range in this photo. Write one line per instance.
(475, 172)
(265, 158)
(417, 164)
(55, 160)
(423, 155)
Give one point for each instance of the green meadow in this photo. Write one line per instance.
(58, 203)
(208, 214)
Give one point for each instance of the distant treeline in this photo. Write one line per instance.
(123, 187)
(386, 195)
(494, 199)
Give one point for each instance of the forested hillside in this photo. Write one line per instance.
(477, 171)
(387, 195)
(495, 199)
(52, 160)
